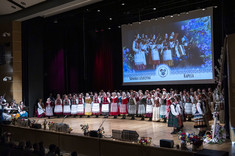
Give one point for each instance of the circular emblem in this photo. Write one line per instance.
(163, 70)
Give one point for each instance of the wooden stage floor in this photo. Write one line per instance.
(156, 130)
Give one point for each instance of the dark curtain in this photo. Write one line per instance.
(103, 64)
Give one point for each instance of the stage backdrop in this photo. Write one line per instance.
(169, 50)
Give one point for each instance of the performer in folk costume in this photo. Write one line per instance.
(114, 106)
(168, 104)
(149, 107)
(49, 108)
(132, 106)
(23, 113)
(123, 106)
(96, 105)
(188, 106)
(105, 105)
(66, 106)
(141, 108)
(81, 110)
(199, 120)
(119, 100)
(166, 52)
(180, 110)
(156, 107)
(173, 117)
(163, 107)
(58, 106)
(194, 102)
(88, 101)
(40, 110)
(74, 106)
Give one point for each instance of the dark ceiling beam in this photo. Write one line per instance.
(13, 2)
(33, 10)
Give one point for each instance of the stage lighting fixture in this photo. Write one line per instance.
(98, 10)
(154, 8)
(119, 26)
(109, 28)
(203, 9)
(215, 6)
(110, 19)
(123, 4)
(172, 16)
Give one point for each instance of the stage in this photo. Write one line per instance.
(156, 130)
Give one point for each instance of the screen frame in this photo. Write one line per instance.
(183, 16)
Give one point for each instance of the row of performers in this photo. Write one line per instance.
(156, 107)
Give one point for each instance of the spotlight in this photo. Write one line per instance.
(119, 26)
(110, 19)
(109, 28)
(215, 7)
(187, 13)
(163, 17)
(154, 8)
(123, 4)
(156, 19)
(98, 10)
(203, 9)
(171, 16)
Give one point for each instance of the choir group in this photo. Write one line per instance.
(156, 105)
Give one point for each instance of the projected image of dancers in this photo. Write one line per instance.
(149, 52)
(170, 52)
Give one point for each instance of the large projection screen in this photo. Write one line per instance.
(170, 50)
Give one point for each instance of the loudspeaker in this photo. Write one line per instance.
(37, 126)
(166, 143)
(128, 135)
(93, 133)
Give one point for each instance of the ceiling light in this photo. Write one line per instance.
(23, 3)
(13, 7)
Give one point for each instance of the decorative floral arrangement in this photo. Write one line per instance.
(101, 131)
(219, 138)
(183, 136)
(85, 129)
(50, 123)
(145, 140)
(70, 130)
